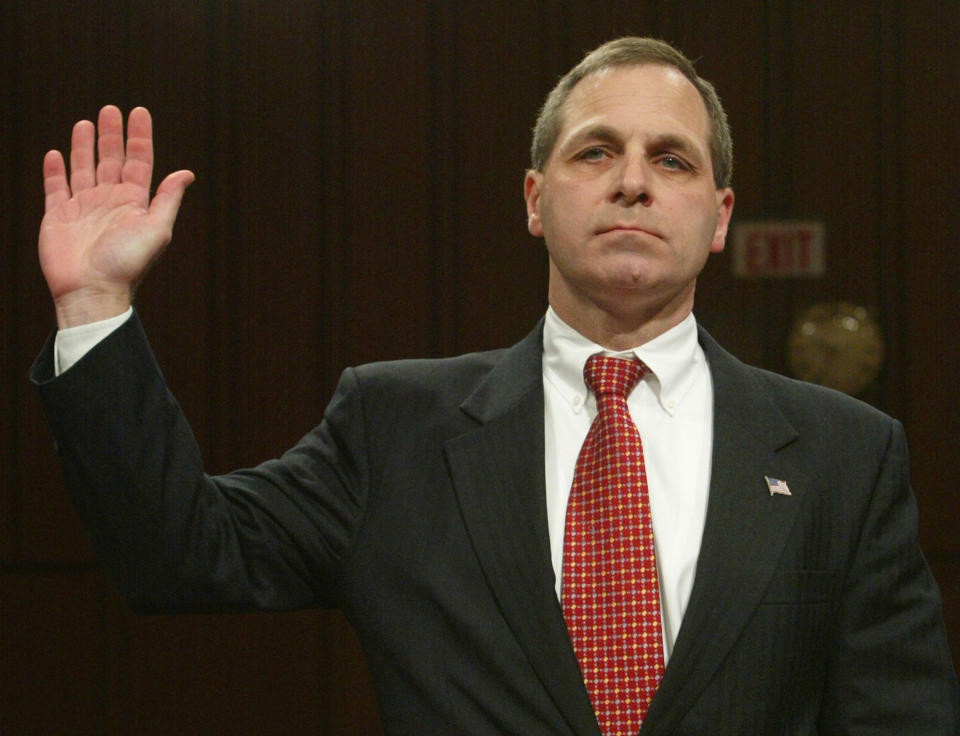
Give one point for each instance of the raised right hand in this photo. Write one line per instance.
(101, 231)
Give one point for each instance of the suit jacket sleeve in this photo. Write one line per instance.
(890, 669)
(174, 538)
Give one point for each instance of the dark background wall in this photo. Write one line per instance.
(358, 197)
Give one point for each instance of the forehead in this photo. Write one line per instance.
(657, 98)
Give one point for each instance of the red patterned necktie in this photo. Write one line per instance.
(610, 593)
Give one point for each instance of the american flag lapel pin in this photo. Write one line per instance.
(775, 485)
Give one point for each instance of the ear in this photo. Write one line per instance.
(724, 212)
(532, 184)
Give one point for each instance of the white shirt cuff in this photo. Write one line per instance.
(72, 343)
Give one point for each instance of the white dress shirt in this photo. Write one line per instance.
(672, 407)
(72, 343)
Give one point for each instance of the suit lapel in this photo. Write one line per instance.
(745, 530)
(498, 474)
(497, 471)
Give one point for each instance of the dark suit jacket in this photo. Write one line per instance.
(417, 506)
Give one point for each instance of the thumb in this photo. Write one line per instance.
(166, 202)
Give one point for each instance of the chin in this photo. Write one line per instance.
(632, 276)
(642, 287)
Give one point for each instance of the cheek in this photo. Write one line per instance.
(552, 220)
(698, 219)
(564, 217)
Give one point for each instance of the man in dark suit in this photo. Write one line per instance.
(431, 502)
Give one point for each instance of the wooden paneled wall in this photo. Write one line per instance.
(359, 167)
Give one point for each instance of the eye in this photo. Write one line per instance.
(594, 153)
(674, 163)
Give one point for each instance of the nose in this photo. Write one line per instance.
(633, 181)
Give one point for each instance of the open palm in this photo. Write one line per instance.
(101, 230)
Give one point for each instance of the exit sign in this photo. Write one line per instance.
(778, 248)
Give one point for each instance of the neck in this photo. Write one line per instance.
(620, 325)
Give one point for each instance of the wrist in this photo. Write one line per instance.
(77, 309)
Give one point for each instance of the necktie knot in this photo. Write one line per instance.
(607, 375)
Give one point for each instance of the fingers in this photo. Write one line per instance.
(55, 187)
(138, 165)
(130, 163)
(82, 175)
(109, 145)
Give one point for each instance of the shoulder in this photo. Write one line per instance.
(455, 375)
(805, 405)
(498, 375)
(799, 397)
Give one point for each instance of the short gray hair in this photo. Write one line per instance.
(633, 51)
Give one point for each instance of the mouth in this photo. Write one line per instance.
(627, 228)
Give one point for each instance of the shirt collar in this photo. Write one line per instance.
(672, 359)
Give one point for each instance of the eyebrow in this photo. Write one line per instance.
(665, 141)
(674, 142)
(595, 132)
